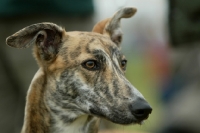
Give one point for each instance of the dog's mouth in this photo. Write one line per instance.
(117, 117)
(96, 113)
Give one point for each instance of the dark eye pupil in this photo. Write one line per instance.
(123, 64)
(90, 64)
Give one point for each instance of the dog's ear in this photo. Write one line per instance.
(46, 37)
(111, 26)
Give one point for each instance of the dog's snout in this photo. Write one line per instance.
(140, 109)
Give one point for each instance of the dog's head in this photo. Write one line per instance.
(85, 70)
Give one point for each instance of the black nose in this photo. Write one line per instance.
(140, 109)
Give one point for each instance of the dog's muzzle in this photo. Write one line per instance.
(140, 109)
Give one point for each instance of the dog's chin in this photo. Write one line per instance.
(116, 118)
(123, 121)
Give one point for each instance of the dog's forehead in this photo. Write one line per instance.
(87, 42)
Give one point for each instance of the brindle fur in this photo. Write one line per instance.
(66, 97)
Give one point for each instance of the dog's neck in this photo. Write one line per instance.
(83, 124)
(39, 118)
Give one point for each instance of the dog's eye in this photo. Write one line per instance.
(123, 64)
(91, 65)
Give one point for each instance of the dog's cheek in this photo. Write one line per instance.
(88, 77)
(73, 89)
(67, 86)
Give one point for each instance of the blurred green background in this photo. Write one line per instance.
(161, 43)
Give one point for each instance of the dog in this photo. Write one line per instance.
(81, 78)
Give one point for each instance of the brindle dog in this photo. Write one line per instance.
(80, 79)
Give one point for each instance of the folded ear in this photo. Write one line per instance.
(46, 36)
(111, 26)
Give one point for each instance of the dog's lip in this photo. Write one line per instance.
(114, 120)
(96, 113)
